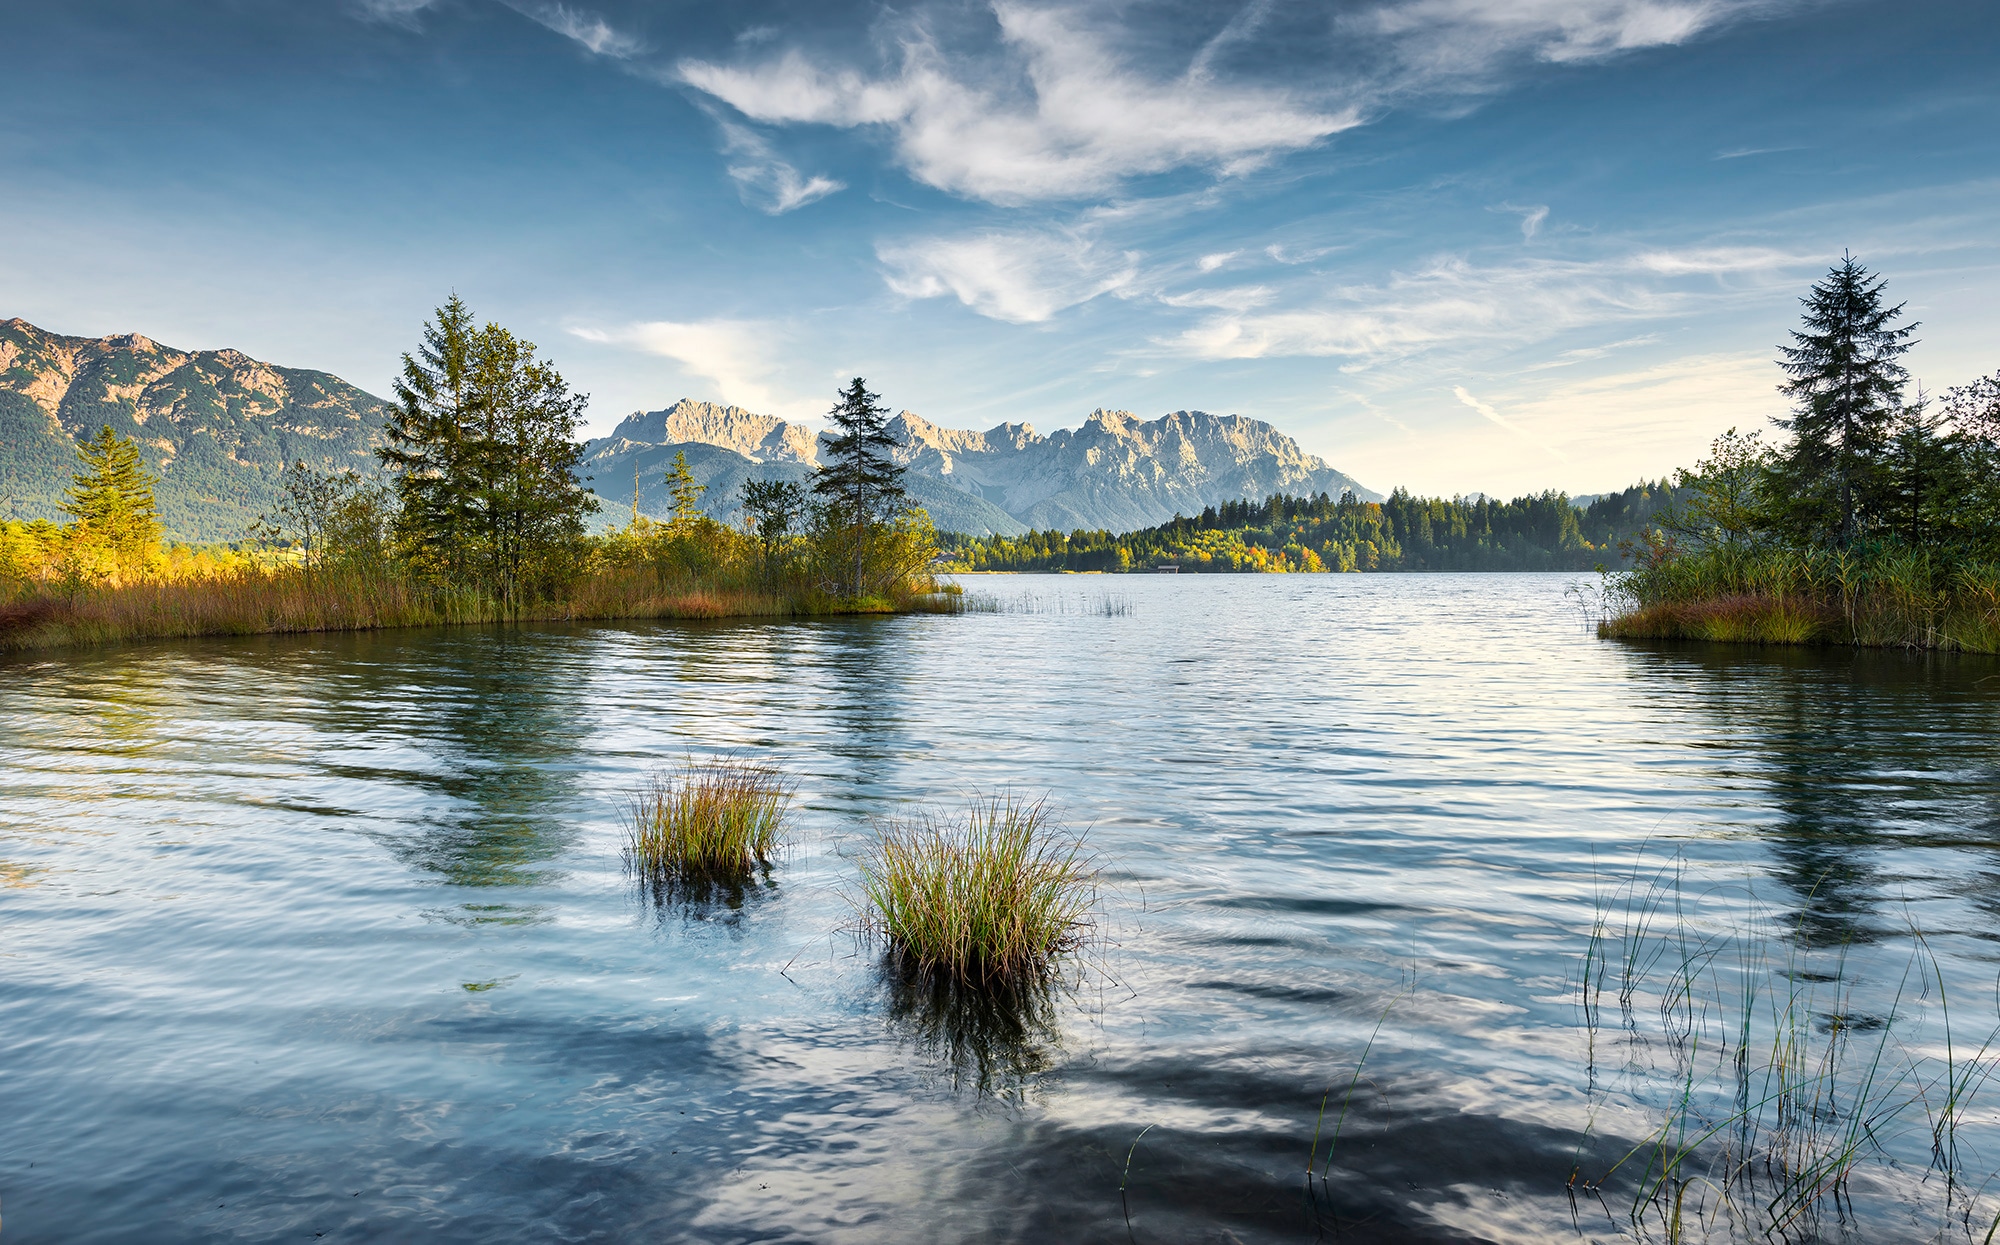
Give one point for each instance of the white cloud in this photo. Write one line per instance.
(1718, 261)
(587, 28)
(1064, 117)
(1448, 301)
(1238, 298)
(394, 12)
(1487, 412)
(766, 181)
(732, 354)
(1022, 277)
(1209, 263)
(1063, 107)
(1531, 220)
(1440, 43)
(1451, 302)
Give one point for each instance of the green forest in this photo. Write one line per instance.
(1282, 533)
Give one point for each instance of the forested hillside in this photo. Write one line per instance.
(1544, 532)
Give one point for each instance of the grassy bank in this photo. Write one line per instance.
(283, 600)
(1883, 596)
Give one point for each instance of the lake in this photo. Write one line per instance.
(331, 938)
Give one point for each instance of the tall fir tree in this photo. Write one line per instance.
(483, 442)
(1845, 379)
(861, 485)
(424, 443)
(111, 498)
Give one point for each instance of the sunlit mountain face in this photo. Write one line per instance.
(1459, 246)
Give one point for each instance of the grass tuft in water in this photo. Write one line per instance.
(993, 898)
(709, 822)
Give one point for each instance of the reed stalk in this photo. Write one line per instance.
(994, 897)
(707, 822)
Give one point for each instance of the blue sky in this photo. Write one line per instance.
(1460, 245)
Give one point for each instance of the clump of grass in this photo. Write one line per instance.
(992, 898)
(707, 822)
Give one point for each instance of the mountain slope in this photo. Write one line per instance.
(1116, 472)
(217, 425)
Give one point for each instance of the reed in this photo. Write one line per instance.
(993, 898)
(1775, 1071)
(256, 601)
(1885, 596)
(709, 822)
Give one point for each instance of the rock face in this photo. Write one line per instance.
(217, 425)
(1116, 472)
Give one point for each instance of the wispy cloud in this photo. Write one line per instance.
(1068, 103)
(764, 179)
(1022, 277)
(394, 12)
(733, 355)
(587, 28)
(1450, 301)
(1487, 412)
(1062, 116)
(1209, 263)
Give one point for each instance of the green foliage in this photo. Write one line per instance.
(111, 499)
(686, 494)
(483, 446)
(860, 487)
(1284, 533)
(772, 508)
(1845, 378)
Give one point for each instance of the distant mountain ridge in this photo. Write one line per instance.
(219, 428)
(217, 425)
(1116, 472)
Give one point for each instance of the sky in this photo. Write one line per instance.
(1460, 246)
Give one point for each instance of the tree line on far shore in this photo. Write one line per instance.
(1286, 533)
(483, 504)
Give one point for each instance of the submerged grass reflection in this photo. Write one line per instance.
(996, 1039)
(1793, 1088)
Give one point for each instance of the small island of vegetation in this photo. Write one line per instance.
(1875, 519)
(482, 518)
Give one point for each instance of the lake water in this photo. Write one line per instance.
(330, 937)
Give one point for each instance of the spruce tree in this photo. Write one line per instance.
(424, 443)
(1846, 383)
(861, 485)
(483, 442)
(686, 495)
(111, 498)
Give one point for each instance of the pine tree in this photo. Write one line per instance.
(483, 443)
(111, 498)
(686, 495)
(861, 485)
(424, 443)
(1845, 383)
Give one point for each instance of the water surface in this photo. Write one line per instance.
(329, 937)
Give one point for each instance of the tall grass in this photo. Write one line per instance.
(992, 898)
(1878, 596)
(707, 823)
(1777, 1074)
(279, 600)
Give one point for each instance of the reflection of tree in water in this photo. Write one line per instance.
(1863, 751)
(999, 1039)
(498, 712)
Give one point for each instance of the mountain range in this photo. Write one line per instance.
(219, 427)
(1116, 472)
